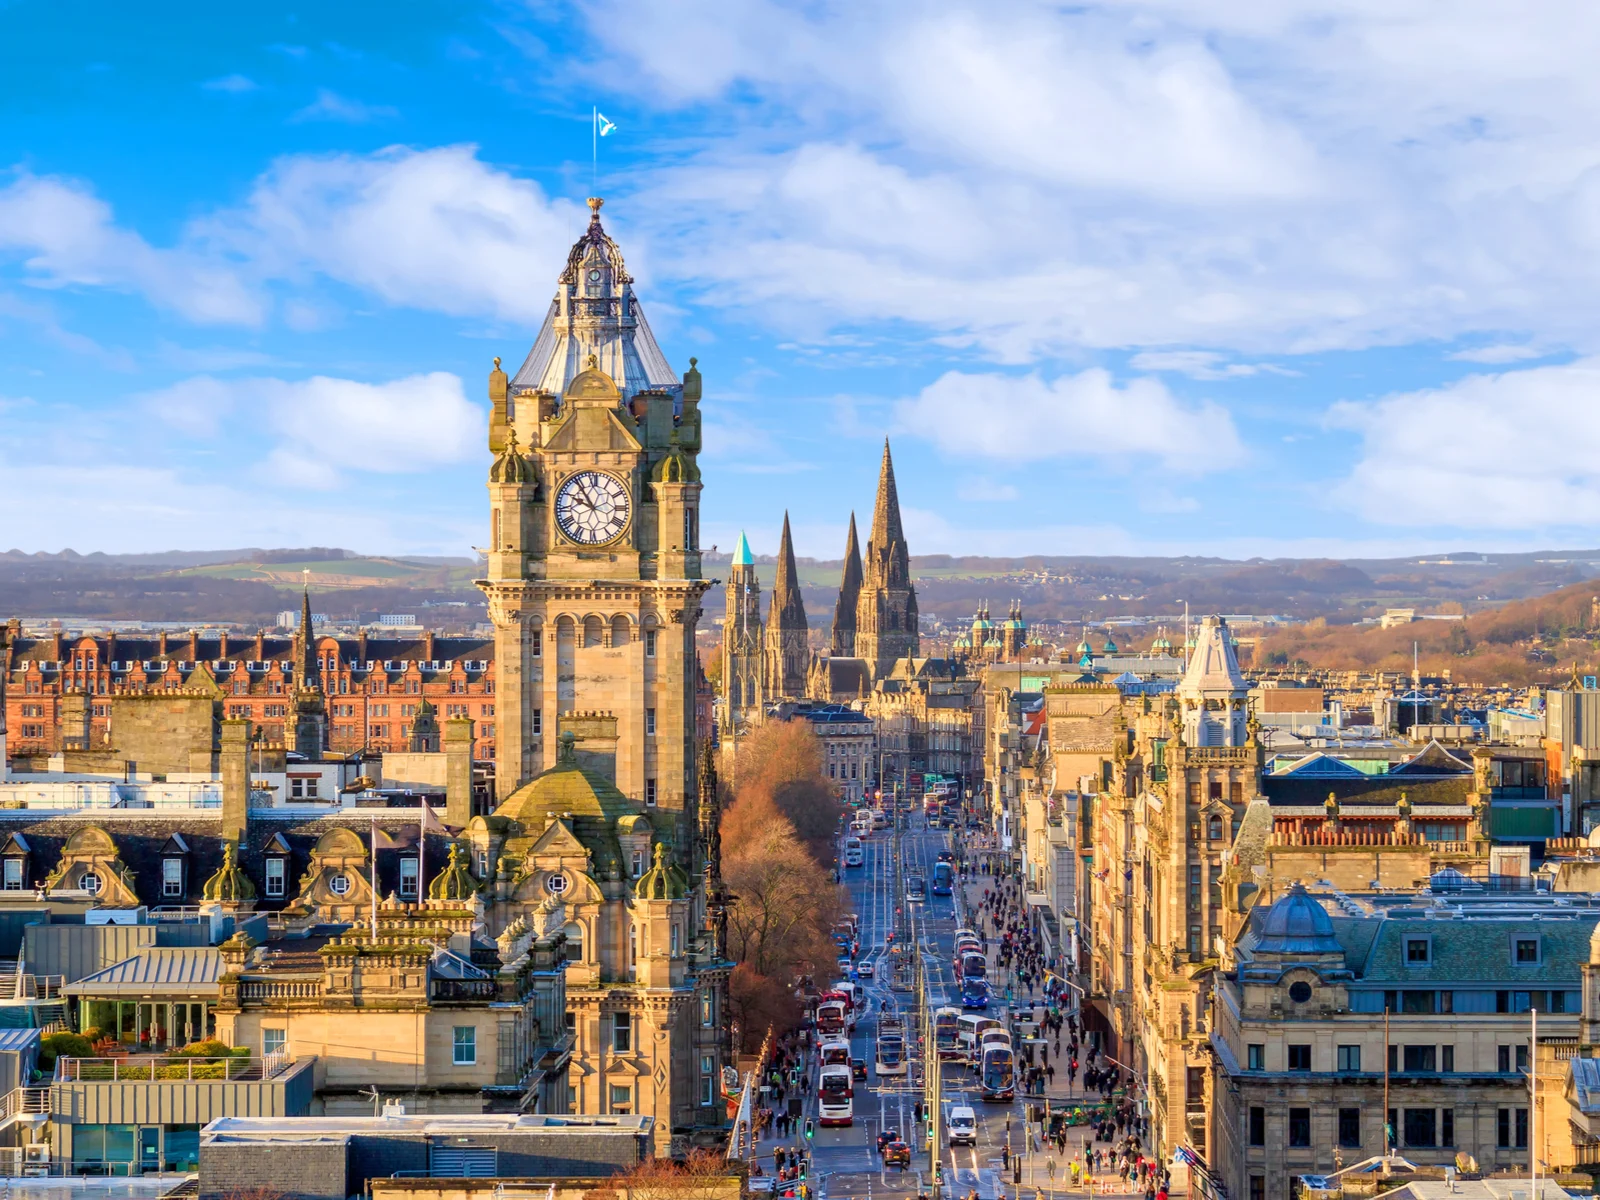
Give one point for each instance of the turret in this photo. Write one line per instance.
(844, 613)
(513, 527)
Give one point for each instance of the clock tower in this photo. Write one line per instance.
(594, 580)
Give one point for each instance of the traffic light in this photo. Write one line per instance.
(802, 1169)
(811, 1130)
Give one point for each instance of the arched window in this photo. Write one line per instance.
(1214, 830)
(574, 933)
(593, 630)
(619, 631)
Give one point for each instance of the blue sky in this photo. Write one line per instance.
(1136, 277)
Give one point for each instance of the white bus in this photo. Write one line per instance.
(969, 1031)
(835, 1096)
(835, 1054)
(853, 856)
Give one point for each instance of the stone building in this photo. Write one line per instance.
(886, 610)
(1335, 1015)
(743, 659)
(606, 803)
(59, 690)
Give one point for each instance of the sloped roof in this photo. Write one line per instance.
(162, 970)
(1213, 666)
(1323, 766)
(1432, 759)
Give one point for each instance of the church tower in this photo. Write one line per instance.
(787, 647)
(886, 614)
(844, 613)
(1213, 693)
(310, 706)
(742, 642)
(594, 581)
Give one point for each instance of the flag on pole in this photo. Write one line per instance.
(602, 123)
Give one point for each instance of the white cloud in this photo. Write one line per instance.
(231, 83)
(1319, 174)
(1030, 419)
(330, 106)
(1518, 450)
(1200, 364)
(1498, 354)
(325, 427)
(434, 229)
(66, 237)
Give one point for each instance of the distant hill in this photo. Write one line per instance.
(1521, 642)
(251, 586)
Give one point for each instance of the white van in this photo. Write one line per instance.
(961, 1127)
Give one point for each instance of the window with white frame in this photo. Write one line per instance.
(408, 877)
(650, 793)
(275, 875)
(273, 1041)
(708, 1078)
(650, 721)
(13, 874)
(171, 877)
(622, 1033)
(466, 1045)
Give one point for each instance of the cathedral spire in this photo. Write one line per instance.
(844, 613)
(787, 605)
(886, 614)
(788, 649)
(886, 530)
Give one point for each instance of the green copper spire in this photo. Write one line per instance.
(741, 553)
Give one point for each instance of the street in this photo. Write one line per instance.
(845, 1161)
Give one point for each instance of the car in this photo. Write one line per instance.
(961, 1126)
(947, 856)
(897, 1154)
(886, 1136)
(858, 1068)
(867, 969)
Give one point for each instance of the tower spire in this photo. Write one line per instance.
(310, 675)
(844, 613)
(788, 651)
(886, 615)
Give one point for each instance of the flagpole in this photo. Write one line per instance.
(594, 130)
(374, 879)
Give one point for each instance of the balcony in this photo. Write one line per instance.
(154, 1068)
(264, 990)
(462, 990)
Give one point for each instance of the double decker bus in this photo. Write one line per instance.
(836, 1096)
(833, 1014)
(997, 1075)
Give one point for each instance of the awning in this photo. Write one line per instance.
(159, 971)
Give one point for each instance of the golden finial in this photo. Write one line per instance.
(497, 362)
(594, 206)
(592, 362)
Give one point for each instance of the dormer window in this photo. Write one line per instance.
(1525, 951)
(1419, 953)
(172, 878)
(638, 863)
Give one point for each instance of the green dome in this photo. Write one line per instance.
(455, 882)
(663, 881)
(1084, 647)
(229, 884)
(676, 467)
(1110, 647)
(594, 802)
(510, 466)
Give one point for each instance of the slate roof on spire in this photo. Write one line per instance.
(844, 613)
(888, 562)
(788, 609)
(307, 673)
(741, 553)
(595, 312)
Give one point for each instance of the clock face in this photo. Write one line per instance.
(594, 276)
(592, 508)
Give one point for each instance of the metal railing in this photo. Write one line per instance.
(151, 1068)
(462, 989)
(24, 1102)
